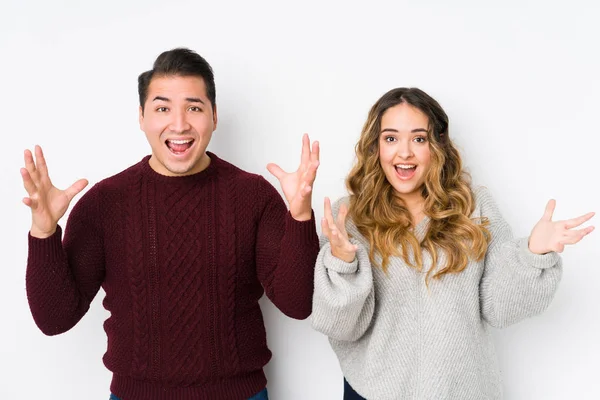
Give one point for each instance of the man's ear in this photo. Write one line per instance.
(141, 116)
(215, 118)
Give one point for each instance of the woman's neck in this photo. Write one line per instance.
(416, 206)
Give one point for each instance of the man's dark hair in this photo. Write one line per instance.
(178, 62)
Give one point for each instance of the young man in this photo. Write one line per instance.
(183, 243)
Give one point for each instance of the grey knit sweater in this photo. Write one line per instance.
(396, 339)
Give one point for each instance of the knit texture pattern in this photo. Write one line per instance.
(183, 262)
(397, 339)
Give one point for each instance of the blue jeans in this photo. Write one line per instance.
(349, 393)
(262, 395)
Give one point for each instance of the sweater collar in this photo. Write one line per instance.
(199, 177)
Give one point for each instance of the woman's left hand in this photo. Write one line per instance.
(548, 235)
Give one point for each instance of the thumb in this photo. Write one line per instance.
(549, 210)
(75, 188)
(276, 170)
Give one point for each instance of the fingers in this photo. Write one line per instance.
(588, 230)
(310, 174)
(327, 209)
(304, 191)
(549, 212)
(327, 225)
(325, 228)
(573, 237)
(305, 158)
(575, 222)
(40, 162)
(341, 247)
(332, 234)
(276, 170)
(309, 162)
(28, 183)
(341, 242)
(310, 153)
(337, 239)
(75, 188)
(29, 164)
(341, 218)
(38, 170)
(28, 202)
(315, 153)
(339, 223)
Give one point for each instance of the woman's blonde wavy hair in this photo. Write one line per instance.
(381, 216)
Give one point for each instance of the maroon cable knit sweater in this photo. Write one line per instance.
(183, 262)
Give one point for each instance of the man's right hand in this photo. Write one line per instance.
(48, 203)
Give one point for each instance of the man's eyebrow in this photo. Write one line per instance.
(194, 100)
(188, 99)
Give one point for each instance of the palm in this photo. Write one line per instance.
(48, 203)
(291, 184)
(548, 235)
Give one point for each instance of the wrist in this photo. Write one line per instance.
(41, 234)
(535, 250)
(302, 216)
(347, 258)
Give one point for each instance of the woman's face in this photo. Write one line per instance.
(404, 152)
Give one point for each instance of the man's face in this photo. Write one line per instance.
(178, 119)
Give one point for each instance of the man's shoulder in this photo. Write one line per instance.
(122, 180)
(253, 187)
(231, 171)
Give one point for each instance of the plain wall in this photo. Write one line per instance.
(519, 80)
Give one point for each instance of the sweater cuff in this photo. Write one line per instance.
(304, 231)
(335, 264)
(540, 261)
(48, 249)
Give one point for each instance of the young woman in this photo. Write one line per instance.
(416, 263)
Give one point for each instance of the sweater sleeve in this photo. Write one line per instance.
(63, 277)
(286, 251)
(344, 298)
(516, 283)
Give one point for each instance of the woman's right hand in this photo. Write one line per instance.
(335, 230)
(47, 203)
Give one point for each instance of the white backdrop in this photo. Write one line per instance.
(519, 80)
